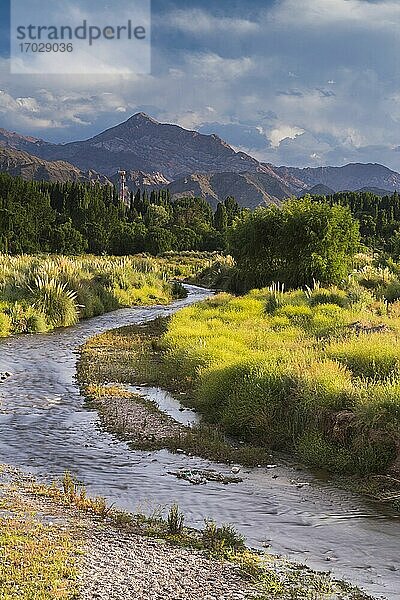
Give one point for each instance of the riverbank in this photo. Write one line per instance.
(289, 372)
(136, 354)
(44, 292)
(48, 427)
(130, 355)
(70, 546)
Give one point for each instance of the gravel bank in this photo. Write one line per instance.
(119, 566)
(136, 418)
(115, 565)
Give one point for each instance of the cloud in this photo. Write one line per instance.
(330, 13)
(213, 67)
(283, 132)
(198, 22)
(291, 82)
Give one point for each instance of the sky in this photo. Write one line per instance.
(291, 82)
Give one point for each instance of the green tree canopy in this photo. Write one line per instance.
(294, 244)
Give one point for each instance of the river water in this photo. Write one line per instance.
(46, 428)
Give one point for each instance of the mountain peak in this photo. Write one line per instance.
(142, 117)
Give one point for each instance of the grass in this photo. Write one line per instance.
(40, 293)
(37, 558)
(288, 370)
(131, 354)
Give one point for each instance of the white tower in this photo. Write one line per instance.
(123, 190)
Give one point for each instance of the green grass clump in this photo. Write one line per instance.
(5, 325)
(329, 296)
(374, 356)
(37, 559)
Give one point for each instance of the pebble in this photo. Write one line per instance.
(118, 565)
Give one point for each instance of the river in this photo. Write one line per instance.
(46, 428)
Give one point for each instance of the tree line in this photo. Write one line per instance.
(75, 218)
(379, 218)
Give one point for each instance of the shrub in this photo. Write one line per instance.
(373, 356)
(5, 324)
(36, 322)
(392, 291)
(298, 315)
(220, 540)
(329, 296)
(52, 298)
(175, 520)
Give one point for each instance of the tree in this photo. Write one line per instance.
(301, 241)
(232, 209)
(159, 240)
(67, 240)
(185, 238)
(221, 218)
(127, 238)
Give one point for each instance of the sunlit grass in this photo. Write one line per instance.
(40, 293)
(281, 368)
(37, 559)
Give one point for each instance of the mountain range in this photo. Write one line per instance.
(159, 155)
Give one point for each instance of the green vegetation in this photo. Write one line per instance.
(74, 218)
(316, 371)
(379, 218)
(38, 294)
(37, 559)
(294, 244)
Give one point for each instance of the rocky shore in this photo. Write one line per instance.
(111, 563)
(133, 417)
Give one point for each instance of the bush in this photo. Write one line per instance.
(175, 520)
(5, 324)
(53, 299)
(297, 315)
(329, 296)
(36, 323)
(392, 291)
(219, 540)
(371, 356)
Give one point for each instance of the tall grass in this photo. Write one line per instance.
(292, 370)
(39, 293)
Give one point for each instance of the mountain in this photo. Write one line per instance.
(140, 180)
(143, 144)
(352, 177)
(25, 165)
(157, 155)
(319, 190)
(250, 189)
(11, 139)
(376, 191)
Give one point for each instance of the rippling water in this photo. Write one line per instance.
(46, 428)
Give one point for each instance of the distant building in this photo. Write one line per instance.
(123, 190)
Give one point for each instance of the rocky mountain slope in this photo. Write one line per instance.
(143, 144)
(249, 189)
(353, 176)
(25, 165)
(157, 155)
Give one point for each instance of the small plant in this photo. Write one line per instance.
(69, 486)
(175, 520)
(221, 540)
